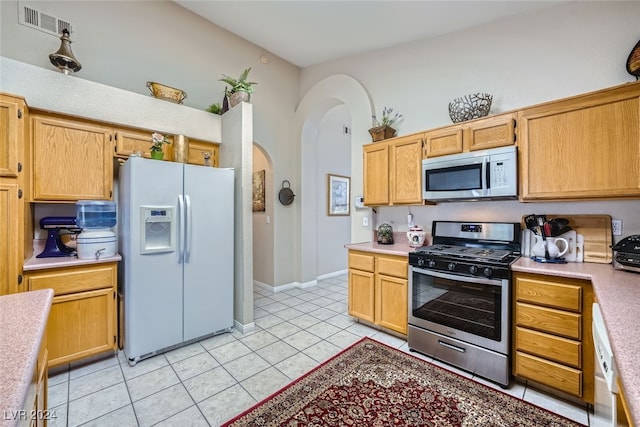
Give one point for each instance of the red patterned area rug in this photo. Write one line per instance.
(372, 384)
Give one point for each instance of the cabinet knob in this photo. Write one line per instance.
(19, 279)
(20, 194)
(19, 166)
(19, 113)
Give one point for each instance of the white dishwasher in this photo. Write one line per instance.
(606, 388)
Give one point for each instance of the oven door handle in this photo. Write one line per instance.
(476, 280)
(451, 346)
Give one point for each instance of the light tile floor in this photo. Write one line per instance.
(208, 382)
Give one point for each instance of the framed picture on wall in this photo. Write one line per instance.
(258, 191)
(338, 194)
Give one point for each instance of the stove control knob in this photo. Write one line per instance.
(452, 266)
(432, 263)
(420, 262)
(488, 271)
(473, 269)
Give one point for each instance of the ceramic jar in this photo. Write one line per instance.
(416, 236)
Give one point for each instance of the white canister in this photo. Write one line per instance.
(416, 236)
(96, 244)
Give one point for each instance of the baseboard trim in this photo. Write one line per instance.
(334, 274)
(243, 329)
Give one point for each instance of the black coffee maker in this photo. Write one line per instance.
(56, 227)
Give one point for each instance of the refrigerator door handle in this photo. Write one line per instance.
(180, 220)
(187, 235)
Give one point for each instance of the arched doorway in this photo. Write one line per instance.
(263, 236)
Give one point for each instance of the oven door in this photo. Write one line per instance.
(470, 309)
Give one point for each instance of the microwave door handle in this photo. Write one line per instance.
(486, 174)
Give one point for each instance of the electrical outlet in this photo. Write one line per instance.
(616, 227)
(365, 221)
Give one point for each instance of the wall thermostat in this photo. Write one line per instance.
(359, 202)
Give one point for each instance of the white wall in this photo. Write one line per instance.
(550, 54)
(333, 155)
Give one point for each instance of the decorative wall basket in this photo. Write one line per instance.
(166, 93)
(470, 107)
(379, 133)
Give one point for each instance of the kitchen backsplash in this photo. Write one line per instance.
(506, 211)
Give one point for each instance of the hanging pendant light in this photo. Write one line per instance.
(63, 58)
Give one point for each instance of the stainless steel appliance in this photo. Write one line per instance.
(460, 296)
(484, 174)
(56, 227)
(626, 254)
(176, 240)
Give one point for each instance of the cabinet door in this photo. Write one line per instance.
(80, 325)
(9, 236)
(376, 174)
(198, 148)
(495, 131)
(440, 142)
(361, 295)
(82, 321)
(583, 147)
(72, 160)
(405, 171)
(391, 303)
(12, 118)
(128, 141)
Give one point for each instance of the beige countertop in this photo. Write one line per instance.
(59, 262)
(399, 247)
(617, 292)
(23, 321)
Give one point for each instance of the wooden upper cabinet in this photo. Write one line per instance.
(197, 149)
(584, 147)
(393, 171)
(405, 170)
(72, 159)
(12, 131)
(491, 132)
(376, 174)
(478, 134)
(129, 141)
(443, 141)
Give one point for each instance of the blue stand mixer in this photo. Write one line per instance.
(56, 226)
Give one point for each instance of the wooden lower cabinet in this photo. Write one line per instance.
(378, 289)
(82, 321)
(553, 345)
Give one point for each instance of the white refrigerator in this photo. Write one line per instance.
(176, 240)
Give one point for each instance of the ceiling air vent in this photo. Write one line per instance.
(33, 18)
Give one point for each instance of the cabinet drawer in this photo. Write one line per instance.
(558, 349)
(393, 266)
(565, 296)
(360, 261)
(549, 320)
(549, 373)
(75, 279)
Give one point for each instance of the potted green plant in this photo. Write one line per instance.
(158, 141)
(382, 129)
(215, 108)
(241, 89)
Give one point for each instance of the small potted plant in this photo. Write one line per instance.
(241, 89)
(215, 108)
(158, 141)
(382, 129)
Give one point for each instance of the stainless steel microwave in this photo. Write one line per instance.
(485, 174)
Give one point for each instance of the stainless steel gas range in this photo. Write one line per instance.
(460, 296)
